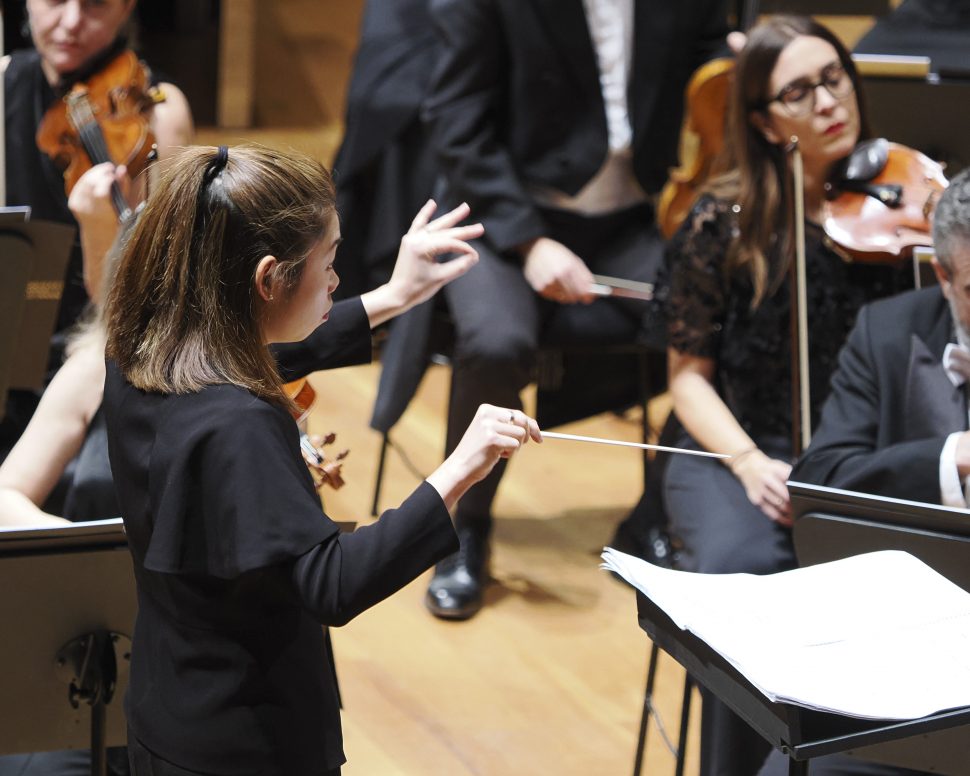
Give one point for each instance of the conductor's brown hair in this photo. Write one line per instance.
(184, 311)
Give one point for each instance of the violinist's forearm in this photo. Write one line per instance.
(18, 510)
(706, 417)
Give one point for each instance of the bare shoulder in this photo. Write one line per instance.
(172, 119)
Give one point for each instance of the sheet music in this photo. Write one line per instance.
(877, 636)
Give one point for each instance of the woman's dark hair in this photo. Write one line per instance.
(184, 311)
(754, 170)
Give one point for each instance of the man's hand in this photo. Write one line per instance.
(557, 273)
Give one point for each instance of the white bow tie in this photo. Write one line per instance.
(956, 364)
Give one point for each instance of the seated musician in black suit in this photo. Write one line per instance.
(895, 423)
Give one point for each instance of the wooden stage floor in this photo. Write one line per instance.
(548, 678)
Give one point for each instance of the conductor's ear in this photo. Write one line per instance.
(265, 278)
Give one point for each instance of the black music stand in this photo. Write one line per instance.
(68, 608)
(33, 263)
(831, 524)
(800, 733)
(934, 120)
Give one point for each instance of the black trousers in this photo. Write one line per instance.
(145, 763)
(722, 532)
(500, 322)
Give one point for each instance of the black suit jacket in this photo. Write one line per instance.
(892, 406)
(516, 99)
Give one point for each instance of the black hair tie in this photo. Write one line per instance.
(215, 166)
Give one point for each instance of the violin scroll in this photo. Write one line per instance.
(325, 471)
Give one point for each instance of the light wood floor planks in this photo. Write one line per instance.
(548, 679)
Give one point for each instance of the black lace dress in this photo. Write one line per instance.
(709, 314)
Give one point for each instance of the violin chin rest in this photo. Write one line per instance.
(867, 160)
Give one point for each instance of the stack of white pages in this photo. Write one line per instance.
(877, 636)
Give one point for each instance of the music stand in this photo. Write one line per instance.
(33, 263)
(15, 266)
(800, 733)
(831, 524)
(69, 606)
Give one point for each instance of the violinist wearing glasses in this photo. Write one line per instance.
(728, 309)
(78, 43)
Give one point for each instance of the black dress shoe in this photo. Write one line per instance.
(458, 584)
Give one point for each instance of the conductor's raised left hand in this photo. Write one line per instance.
(418, 274)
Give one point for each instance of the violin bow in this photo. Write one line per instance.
(801, 392)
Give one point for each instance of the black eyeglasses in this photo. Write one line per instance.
(799, 97)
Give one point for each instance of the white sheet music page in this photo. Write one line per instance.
(876, 636)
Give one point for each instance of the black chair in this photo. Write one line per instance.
(649, 710)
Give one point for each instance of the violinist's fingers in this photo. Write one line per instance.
(783, 517)
(769, 509)
(90, 199)
(736, 41)
(423, 216)
(776, 491)
(451, 218)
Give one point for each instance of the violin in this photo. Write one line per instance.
(702, 133)
(323, 470)
(701, 140)
(880, 209)
(103, 119)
